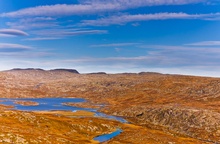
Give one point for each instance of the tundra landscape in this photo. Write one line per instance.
(110, 71)
(158, 108)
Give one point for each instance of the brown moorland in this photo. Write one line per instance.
(161, 108)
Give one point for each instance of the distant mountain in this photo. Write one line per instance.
(103, 73)
(52, 70)
(76, 72)
(66, 70)
(21, 69)
(149, 73)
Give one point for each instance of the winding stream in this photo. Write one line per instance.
(57, 104)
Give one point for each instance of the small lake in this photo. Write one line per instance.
(45, 104)
(57, 104)
(53, 104)
(105, 137)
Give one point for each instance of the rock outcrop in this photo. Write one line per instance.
(201, 124)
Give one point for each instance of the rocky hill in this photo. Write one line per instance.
(184, 107)
(42, 70)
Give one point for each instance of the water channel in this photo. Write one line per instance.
(58, 104)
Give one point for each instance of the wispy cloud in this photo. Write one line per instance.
(42, 38)
(9, 48)
(186, 55)
(12, 32)
(115, 45)
(185, 52)
(205, 43)
(92, 7)
(160, 56)
(33, 23)
(24, 55)
(141, 3)
(123, 19)
(61, 10)
(14, 51)
(164, 60)
(6, 35)
(185, 47)
(60, 33)
(14, 46)
(157, 56)
(140, 60)
(74, 33)
(36, 19)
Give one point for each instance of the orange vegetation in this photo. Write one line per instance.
(161, 108)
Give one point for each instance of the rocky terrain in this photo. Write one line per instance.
(161, 108)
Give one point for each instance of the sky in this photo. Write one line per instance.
(113, 36)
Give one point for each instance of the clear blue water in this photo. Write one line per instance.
(49, 104)
(45, 104)
(105, 137)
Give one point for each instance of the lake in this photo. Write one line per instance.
(58, 104)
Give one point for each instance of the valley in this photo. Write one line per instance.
(159, 108)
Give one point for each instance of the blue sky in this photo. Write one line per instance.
(114, 36)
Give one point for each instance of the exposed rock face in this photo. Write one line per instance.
(198, 123)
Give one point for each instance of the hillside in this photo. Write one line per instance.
(162, 108)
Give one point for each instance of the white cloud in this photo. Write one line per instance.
(14, 46)
(123, 19)
(115, 45)
(60, 33)
(110, 59)
(159, 57)
(36, 19)
(6, 35)
(25, 55)
(33, 23)
(206, 43)
(74, 33)
(90, 7)
(189, 53)
(42, 38)
(141, 3)
(186, 47)
(61, 10)
(26, 25)
(12, 32)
